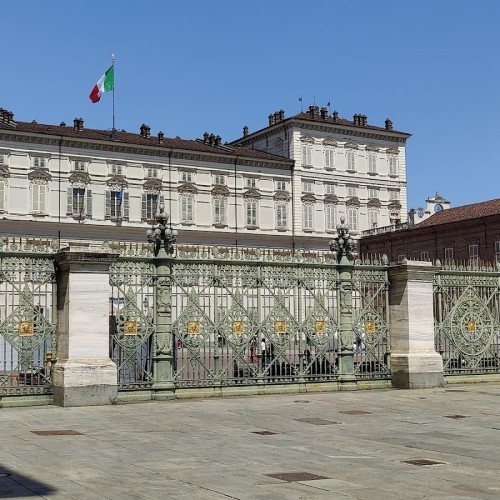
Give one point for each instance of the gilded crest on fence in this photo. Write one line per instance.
(370, 326)
(193, 327)
(320, 327)
(130, 328)
(26, 329)
(280, 326)
(471, 326)
(238, 327)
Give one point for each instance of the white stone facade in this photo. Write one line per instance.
(342, 169)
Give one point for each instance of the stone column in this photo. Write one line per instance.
(83, 373)
(414, 361)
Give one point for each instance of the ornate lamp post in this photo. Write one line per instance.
(344, 246)
(163, 238)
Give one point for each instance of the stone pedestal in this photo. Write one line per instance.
(83, 374)
(414, 361)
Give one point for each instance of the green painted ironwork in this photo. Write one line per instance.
(467, 317)
(27, 316)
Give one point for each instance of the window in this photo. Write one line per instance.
(219, 180)
(352, 218)
(308, 213)
(38, 197)
(424, 256)
(307, 186)
(117, 169)
(79, 166)
(393, 195)
(150, 202)
(329, 188)
(250, 182)
(448, 254)
(186, 208)
(350, 160)
(373, 193)
(372, 164)
(329, 158)
(281, 219)
(307, 155)
(251, 213)
(117, 204)
(220, 211)
(473, 252)
(401, 258)
(79, 202)
(39, 162)
(373, 218)
(151, 172)
(187, 176)
(280, 185)
(393, 165)
(352, 191)
(330, 216)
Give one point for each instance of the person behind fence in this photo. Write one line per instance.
(263, 350)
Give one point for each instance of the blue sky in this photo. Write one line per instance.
(190, 66)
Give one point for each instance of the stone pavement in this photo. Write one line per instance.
(383, 444)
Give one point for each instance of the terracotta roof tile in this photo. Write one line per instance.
(464, 212)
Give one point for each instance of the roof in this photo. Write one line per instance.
(464, 212)
(128, 138)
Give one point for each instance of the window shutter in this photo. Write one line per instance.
(144, 205)
(43, 191)
(189, 211)
(69, 201)
(2, 195)
(108, 205)
(89, 203)
(125, 205)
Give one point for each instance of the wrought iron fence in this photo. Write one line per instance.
(27, 316)
(467, 318)
(131, 313)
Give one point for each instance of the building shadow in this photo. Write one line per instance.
(16, 485)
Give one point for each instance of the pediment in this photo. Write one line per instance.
(282, 196)
(79, 178)
(308, 139)
(187, 187)
(152, 185)
(251, 193)
(220, 191)
(40, 175)
(374, 203)
(309, 197)
(372, 147)
(393, 151)
(353, 202)
(395, 205)
(330, 141)
(351, 145)
(331, 198)
(117, 181)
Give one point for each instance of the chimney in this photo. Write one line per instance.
(324, 113)
(218, 140)
(62, 124)
(276, 117)
(271, 120)
(388, 124)
(205, 137)
(211, 139)
(364, 119)
(10, 117)
(160, 137)
(78, 124)
(145, 131)
(245, 131)
(335, 116)
(2, 115)
(281, 114)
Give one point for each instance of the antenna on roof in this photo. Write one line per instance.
(300, 99)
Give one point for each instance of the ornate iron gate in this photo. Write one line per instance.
(27, 316)
(131, 316)
(371, 319)
(467, 318)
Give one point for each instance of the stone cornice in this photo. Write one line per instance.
(132, 149)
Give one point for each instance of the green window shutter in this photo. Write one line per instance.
(69, 201)
(108, 205)
(89, 203)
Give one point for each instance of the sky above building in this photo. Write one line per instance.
(190, 66)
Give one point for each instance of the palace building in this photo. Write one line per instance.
(285, 186)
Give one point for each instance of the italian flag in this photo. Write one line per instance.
(105, 84)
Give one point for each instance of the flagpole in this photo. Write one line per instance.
(113, 64)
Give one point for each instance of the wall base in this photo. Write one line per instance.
(85, 383)
(417, 371)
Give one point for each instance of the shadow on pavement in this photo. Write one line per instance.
(15, 485)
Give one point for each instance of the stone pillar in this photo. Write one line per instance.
(414, 362)
(83, 373)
